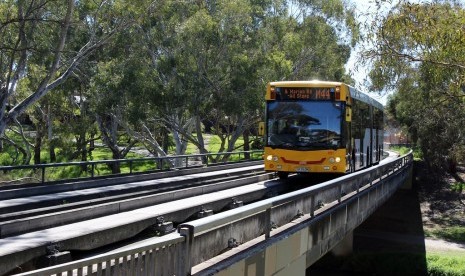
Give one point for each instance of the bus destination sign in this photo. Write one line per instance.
(306, 93)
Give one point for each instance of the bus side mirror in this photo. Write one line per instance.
(261, 128)
(348, 114)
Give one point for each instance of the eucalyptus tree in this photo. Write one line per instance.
(162, 51)
(39, 50)
(193, 48)
(215, 58)
(418, 50)
(109, 101)
(226, 56)
(184, 63)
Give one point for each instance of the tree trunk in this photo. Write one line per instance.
(53, 157)
(166, 140)
(82, 146)
(50, 138)
(116, 167)
(38, 144)
(108, 129)
(181, 147)
(198, 129)
(246, 136)
(234, 136)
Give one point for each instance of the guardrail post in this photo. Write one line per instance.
(312, 206)
(43, 174)
(130, 166)
(184, 267)
(267, 223)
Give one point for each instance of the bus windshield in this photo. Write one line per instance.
(304, 125)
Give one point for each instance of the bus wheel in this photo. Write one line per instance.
(283, 175)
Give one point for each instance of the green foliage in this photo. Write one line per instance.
(445, 265)
(165, 66)
(400, 150)
(6, 159)
(458, 187)
(417, 154)
(417, 53)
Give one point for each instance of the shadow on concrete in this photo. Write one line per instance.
(389, 242)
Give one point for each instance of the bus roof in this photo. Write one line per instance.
(305, 83)
(362, 96)
(355, 93)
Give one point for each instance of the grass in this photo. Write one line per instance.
(458, 187)
(453, 233)
(215, 143)
(445, 263)
(417, 154)
(191, 149)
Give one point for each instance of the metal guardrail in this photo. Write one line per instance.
(150, 260)
(268, 212)
(145, 260)
(90, 168)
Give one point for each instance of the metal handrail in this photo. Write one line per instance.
(159, 162)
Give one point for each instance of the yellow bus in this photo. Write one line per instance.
(320, 127)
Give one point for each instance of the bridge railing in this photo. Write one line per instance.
(41, 173)
(256, 219)
(152, 259)
(203, 239)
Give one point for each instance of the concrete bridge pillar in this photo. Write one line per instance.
(346, 246)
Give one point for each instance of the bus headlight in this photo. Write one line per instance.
(272, 158)
(331, 160)
(338, 159)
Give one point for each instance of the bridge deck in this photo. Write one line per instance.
(94, 233)
(13, 204)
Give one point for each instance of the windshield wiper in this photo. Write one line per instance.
(282, 145)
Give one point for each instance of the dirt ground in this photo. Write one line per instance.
(411, 217)
(440, 205)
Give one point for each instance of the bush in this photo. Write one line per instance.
(5, 159)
